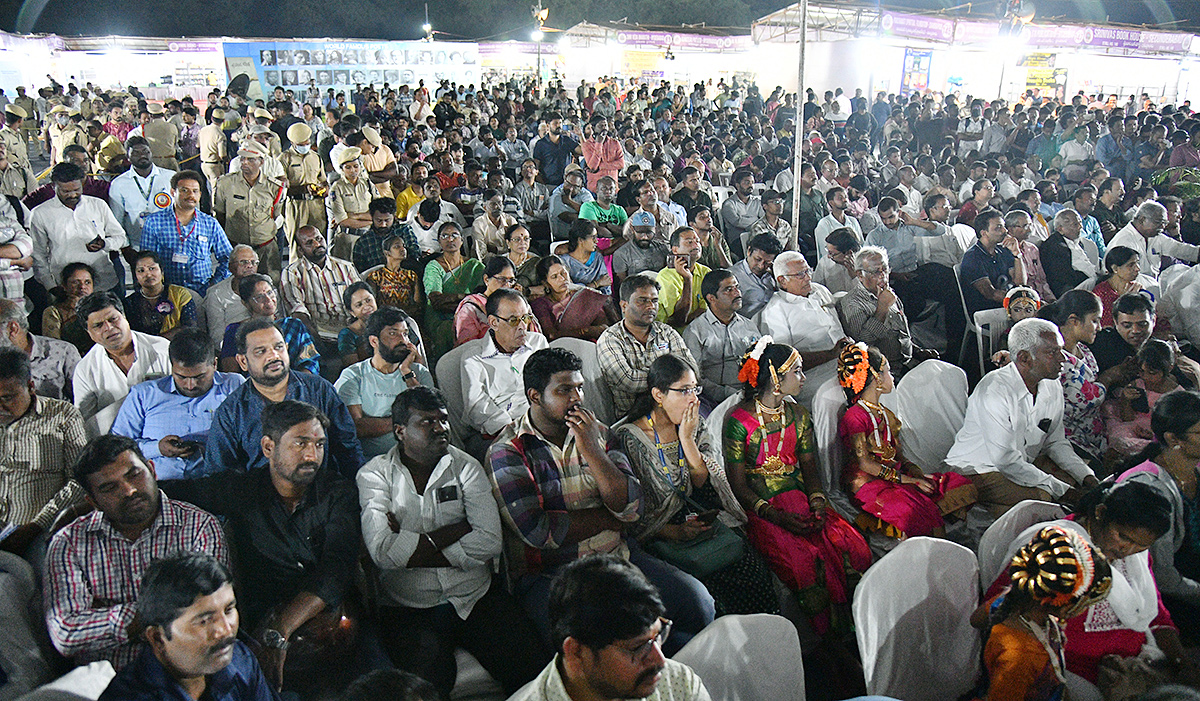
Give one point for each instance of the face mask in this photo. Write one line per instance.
(303, 149)
(62, 121)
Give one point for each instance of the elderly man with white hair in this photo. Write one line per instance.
(802, 315)
(874, 314)
(1012, 444)
(1063, 259)
(1145, 235)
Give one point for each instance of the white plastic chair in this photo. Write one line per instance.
(759, 188)
(997, 539)
(912, 611)
(1091, 249)
(747, 657)
(966, 235)
(931, 403)
(827, 406)
(720, 194)
(449, 379)
(972, 327)
(715, 423)
(596, 395)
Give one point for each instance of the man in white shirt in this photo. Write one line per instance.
(908, 176)
(836, 219)
(72, 227)
(120, 359)
(803, 315)
(140, 191)
(491, 380)
(1012, 443)
(431, 525)
(1145, 235)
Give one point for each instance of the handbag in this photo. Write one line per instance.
(718, 548)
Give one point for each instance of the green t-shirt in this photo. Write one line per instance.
(615, 214)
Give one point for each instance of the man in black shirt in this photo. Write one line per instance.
(296, 532)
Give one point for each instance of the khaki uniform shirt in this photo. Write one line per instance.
(62, 137)
(247, 212)
(26, 103)
(213, 148)
(163, 138)
(110, 150)
(345, 199)
(17, 181)
(302, 169)
(18, 153)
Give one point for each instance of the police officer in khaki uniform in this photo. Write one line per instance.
(30, 124)
(13, 137)
(249, 206)
(307, 185)
(260, 117)
(61, 132)
(15, 180)
(163, 138)
(348, 201)
(214, 149)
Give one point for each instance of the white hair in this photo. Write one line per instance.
(1028, 335)
(1063, 215)
(874, 252)
(1150, 211)
(784, 261)
(240, 247)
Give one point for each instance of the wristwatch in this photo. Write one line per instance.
(410, 375)
(274, 639)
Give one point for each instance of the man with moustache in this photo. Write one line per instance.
(646, 254)
(94, 565)
(298, 523)
(754, 273)
(186, 239)
(719, 337)
(188, 615)
(681, 280)
(237, 428)
(554, 151)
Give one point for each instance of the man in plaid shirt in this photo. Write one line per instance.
(565, 490)
(94, 566)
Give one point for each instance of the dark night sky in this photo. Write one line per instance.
(482, 19)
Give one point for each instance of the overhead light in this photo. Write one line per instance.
(537, 35)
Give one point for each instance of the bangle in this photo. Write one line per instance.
(818, 495)
(759, 505)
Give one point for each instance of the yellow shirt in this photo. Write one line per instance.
(672, 290)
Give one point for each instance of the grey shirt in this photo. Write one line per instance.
(631, 259)
(718, 349)
(756, 289)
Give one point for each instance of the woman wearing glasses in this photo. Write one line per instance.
(686, 496)
(471, 319)
(568, 309)
(448, 279)
(525, 263)
(261, 300)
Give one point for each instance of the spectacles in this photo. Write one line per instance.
(686, 391)
(639, 653)
(515, 321)
(260, 298)
(450, 235)
(506, 281)
(803, 274)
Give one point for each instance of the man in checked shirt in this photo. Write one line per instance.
(94, 566)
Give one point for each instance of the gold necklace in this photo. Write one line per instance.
(773, 464)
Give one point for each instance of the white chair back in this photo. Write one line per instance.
(912, 611)
(720, 194)
(449, 379)
(997, 539)
(966, 235)
(828, 404)
(596, 395)
(747, 657)
(971, 328)
(1091, 249)
(715, 424)
(931, 403)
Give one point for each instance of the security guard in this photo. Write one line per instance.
(30, 126)
(163, 138)
(12, 135)
(15, 180)
(348, 202)
(249, 206)
(61, 132)
(214, 151)
(307, 185)
(259, 117)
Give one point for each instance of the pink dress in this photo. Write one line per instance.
(1129, 437)
(898, 510)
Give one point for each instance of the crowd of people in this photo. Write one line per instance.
(223, 326)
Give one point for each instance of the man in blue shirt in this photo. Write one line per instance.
(186, 239)
(992, 266)
(234, 441)
(170, 417)
(1114, 149)
(187, 613)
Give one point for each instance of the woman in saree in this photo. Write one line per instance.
(897, 498)
(584, 261)
(770, 450)
(685, 491)
(568, 309)
(448, 278)
(470, 319)
(523, 261)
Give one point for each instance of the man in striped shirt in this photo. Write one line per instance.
(313, 285)
(94, 566)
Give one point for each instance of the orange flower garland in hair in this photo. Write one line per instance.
(854, 367)
(749, 371)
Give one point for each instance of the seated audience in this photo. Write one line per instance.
(222, 303)
(1012, 444)
(873, 314)
(391, 684)
(397, 282)
(774, 223)
(312, 286)
(583, 259)
(754, 274)
(59, 319)
(603, 602)
(802, 314)
(298, 522)
(52, 362)
(1126, 411)
(808, 545)
(259, 299)
(568, 309)
(1077, 315)
(449, 277)
(170, 417)
(626, 350)
(156, 308)
(992, 265)
(371, 248)
(897, 498)
(688, 500)
(432, 528)
(1018, 223)
(681, 279)
(471, 319)
(647, 252)
(368, 387)
(188, 616)
(236, 434)
(120, 359)
(94, 565)
(491, 379)
(1116, 347)
(1064, 261)
(718, 337)
(359, 300)
(487, 231)
(835, 270)
(1144, 234)
(1121, 271)
(517, 240)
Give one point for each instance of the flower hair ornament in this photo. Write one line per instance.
(854, 367)
(1022, 292)
(749, 371)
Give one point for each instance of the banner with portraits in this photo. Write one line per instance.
(341, 65)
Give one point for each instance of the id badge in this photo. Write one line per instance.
(179, 258)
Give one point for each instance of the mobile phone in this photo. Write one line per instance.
(1140, 403)
(709, 516)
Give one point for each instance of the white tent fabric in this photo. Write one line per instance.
(912, 611)
(930, 401)
(748, 657)
(997, 540)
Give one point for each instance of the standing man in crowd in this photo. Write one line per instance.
(249, 207)
(187, 240)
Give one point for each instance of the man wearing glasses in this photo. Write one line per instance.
(609, 632)
(495, 392)
(874, 313)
